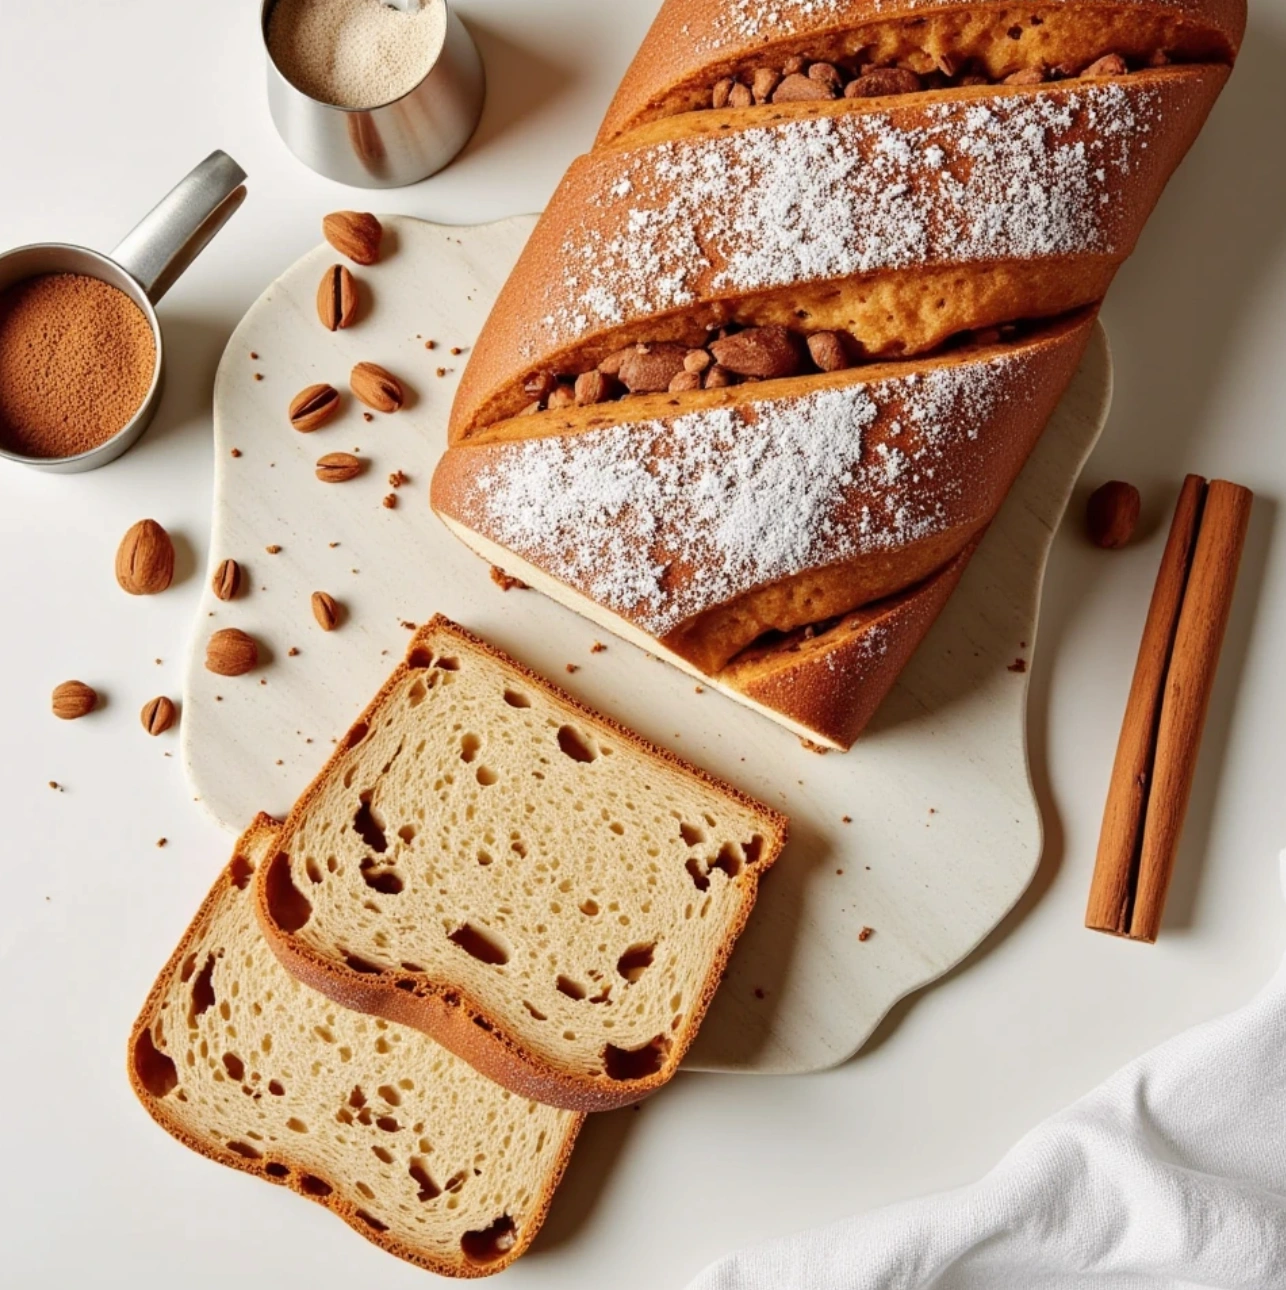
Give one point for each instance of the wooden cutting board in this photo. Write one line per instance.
(927, 832)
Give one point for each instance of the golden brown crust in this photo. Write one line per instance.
(440, 1009)
(540, 320)
(694, 43)
(260, 833)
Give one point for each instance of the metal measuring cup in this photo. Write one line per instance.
(144, 266)
(397, 143)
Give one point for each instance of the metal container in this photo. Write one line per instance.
(393, 145)
(144, 266)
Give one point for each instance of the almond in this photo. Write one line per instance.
(719, 95)
(231, 652)
(594, 387)
(798, 88)
(339, 467)
(1113, 514)
(718, 378)
(145, 559)
(828, 75)
(158, 715)
(227, 580)
(769, 353)
(882, 81)
(1108, 65)
(696, 360)
(375, 387)
(311, 408)
(564, 396)
(828, 352)
(540, 385)
(336, 298)
(685, 381)
(612, 364)
(74, 699)
(765, 80)
(796, 63)
(354, 234)
(326, 611)
(740, 97)
(649, 369)
(1026, 76)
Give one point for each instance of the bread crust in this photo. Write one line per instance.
(441, 1009)
(262, 832)
(545, 319)
(694, 43)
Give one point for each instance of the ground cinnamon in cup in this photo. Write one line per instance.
(77, 357)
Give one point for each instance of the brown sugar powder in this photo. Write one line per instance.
(76, 363)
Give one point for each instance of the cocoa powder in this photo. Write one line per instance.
(76, 363)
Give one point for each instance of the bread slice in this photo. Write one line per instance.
(403, 1141)
(527, 882)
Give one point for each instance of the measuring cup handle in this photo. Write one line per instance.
(179, 227)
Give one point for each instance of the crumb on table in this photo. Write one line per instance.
(865, 934)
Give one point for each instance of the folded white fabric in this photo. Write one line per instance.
(1171, 1174)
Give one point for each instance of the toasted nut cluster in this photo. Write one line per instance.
(802, 81)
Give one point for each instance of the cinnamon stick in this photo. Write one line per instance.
(1165, 715)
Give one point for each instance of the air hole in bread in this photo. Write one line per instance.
(387, 882)
(638, 1063)
(417, 694)
(575, 745)
(311, 1185)
(753, 849)
(617, 827)
(240, 871)
(589, 908)
(274, 1169)
(276, 1088)
(355, 736)
(698, 872)
(313, 870)
(428, 1189)
(382, 1154)
(691, 834)
(484, 858)
(516, 699)
(388, 1124)
(370, 1220)
(296, 1125)
(419, 658)
(492, 1243)
(728, 859)
(486, 776)
(202, 991)
(156, 1072)
(361, 965)
(405, 984)
(535, 1011)
(407, 833)
(484, 946)
(245, 1151)
(235, 1067)
(469, 746)
(572, 989)
(448, 664)
(635, 961)
(367, 826)
(288, 907)
(390, 1094)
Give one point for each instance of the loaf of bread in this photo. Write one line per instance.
(405, 1142)
(530, 884)
(781, 343)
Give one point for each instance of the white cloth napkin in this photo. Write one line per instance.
(1171, 1174)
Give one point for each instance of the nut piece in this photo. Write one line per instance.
(765, 81)
(540, 385)
(685, 381)
(339, 467)
(828, 75)
(1108, 65)
(649, 369)
(73, 699)
(354, 234)
(336, 298)
(564, 396)
(325, 610)
(1112, 515)
(1026, 76)
(828, 351)
(882, 81)
(311, 408)
(696, 360)
(227, 580)
(719, 95)
(375, 387)
(718, 378)
(612, 364)
(769, 353)
(231, 652)
(799, 88)
(145, 559)
(740, 97)
(158, 715)
(593, 387)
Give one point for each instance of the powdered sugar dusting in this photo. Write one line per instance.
(661, 520)
(1014, 177)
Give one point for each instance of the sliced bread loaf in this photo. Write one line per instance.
(527, 882)
(406, 1143)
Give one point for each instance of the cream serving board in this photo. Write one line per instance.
(926, 833)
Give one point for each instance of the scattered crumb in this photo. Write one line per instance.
(236, 452)
(307, 741)
(368, 416)
(258, 376)
(1019, 665)
(839, 873)
(442, 371)
(56, 786)
(572, 669)
(274, 549)
(846, 819)
(218, 698)
(933, 810)
(160, 842)
(408, 624)
(865, 934)
(505, 582)
(333, 545)
(354, 571)
(699, 689)
(398, 478)
(280, 762)
(263, 680)
(254, 356)
(597, 648)
(814, 748)
(292, 652)
(455, 349)
(1022, 644)
(390, 502)
(159, 661)
(760, 992)
(430, 344)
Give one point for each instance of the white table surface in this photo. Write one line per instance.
(104, 107)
